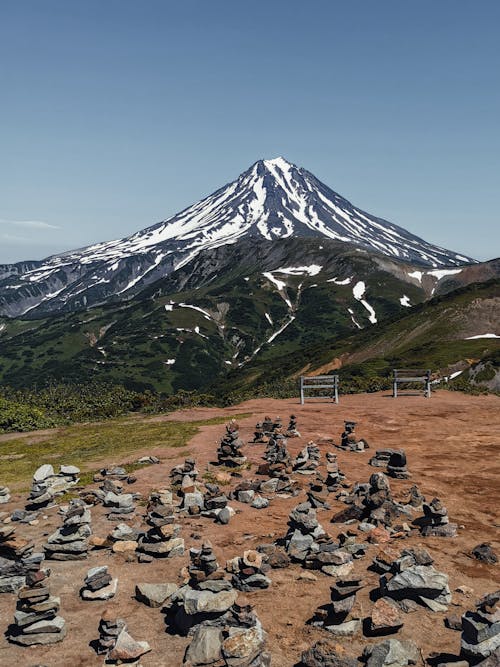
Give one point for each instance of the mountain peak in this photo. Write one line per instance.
(273, 200)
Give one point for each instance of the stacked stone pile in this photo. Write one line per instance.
(216, 504)
(115, 473)
(115, 641)
(162, 540)
(308, 459)
(435, 522)
(16, 559)
(229, 452)
(394, 560)
(70, 542)
(274, 556)
(372, 503)
(317, 494)
(235, 639)
(121, 505)
(334, 617)
(36, 619)
(47, 484)
(4, 495)
(396, 466)
(179, 472)
(292, 431)
(481, 630)
(244, 492)
(334, 477)
(415, 498)
(303, 533)
(99, 584)
(248, 571)
(349, 440)
(330, 557)
(381, 458)
(206, 596)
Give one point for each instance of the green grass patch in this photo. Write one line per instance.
(84, 445)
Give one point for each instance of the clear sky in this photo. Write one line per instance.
(117, 114)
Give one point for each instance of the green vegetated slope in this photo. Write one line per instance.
(212, 318)
(432, 335)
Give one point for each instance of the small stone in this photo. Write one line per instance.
(385, 617)
(307, 576)
(127, 648)
(124, 546)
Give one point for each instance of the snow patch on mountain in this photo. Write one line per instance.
(486, 335)
(405, 301)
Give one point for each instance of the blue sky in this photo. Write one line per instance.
(117, 114)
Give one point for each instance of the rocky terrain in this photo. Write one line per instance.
(302, 541)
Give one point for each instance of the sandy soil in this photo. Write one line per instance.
(452, 444)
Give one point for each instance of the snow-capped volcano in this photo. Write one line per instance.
(272, 200)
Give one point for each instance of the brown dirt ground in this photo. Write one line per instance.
(451, 442)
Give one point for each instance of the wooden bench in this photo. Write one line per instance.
(319, 382)
(411, 375)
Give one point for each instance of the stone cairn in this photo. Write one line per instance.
(317, 494)
(207, 594)
(350, 441)
(121, 505)
(292, 431)
(115, 641)
(245, 492)
(307, 460)
(180, 472)
(36, 619)
(162, 540)
(333, 617)
(229, 453)
(216, 504)
(235, 639)
(99, 584)
(396, 466)
(265, 429)
(248, 571)
(481, 630)
(17, 559)
(334, 476)
(4, 495)
(303, 533)
(371, 503)
(278, 467)
(70, 542)
(381, 458)
(47, 485)
(435, 522)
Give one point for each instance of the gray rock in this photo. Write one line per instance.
(420, 580)
(224, 516)
(40, 638)
(70, 470)
(246, 496)
(392, 653)
(260, 503)
(206, 647)
(104, 593)
(155, 595)
(196, 602)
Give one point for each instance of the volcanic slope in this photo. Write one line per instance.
(273, 200)
(266, 307)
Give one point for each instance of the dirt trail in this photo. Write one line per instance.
(452, 443)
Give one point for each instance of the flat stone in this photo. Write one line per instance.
(40, 638)
(338, 570)
(392, 653)
(154, 595)
(124, 546)
(43, 472)
(55, 624)
(104, 593)
(70, 470)
(386, 617)
(346, 629)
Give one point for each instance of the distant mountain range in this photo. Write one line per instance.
(273, 200)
